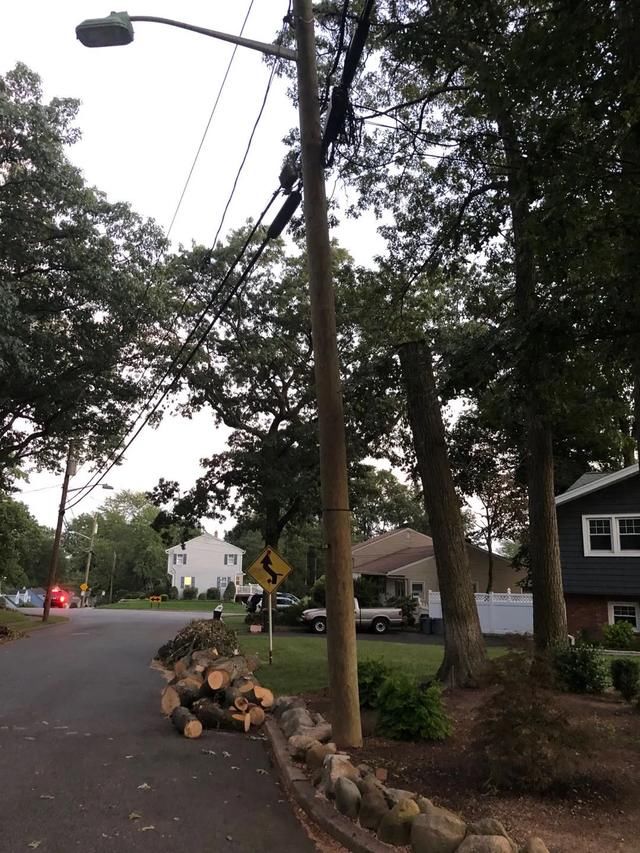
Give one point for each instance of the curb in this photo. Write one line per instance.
(321, 812)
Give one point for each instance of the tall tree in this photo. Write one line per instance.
(77, 282)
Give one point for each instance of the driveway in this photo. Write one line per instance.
(90, 765)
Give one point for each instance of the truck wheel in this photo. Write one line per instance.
(380, 626)
(319, 625)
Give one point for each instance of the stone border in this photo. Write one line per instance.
(322, 812)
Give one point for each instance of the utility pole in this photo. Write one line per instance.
(113, 571)
(87, 565)
(55, 553)
(341, 630)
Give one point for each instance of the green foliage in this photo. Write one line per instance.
(379, 502)
(25, 545)
(202, 596)
(408, 605)
(190, 593)
(620, 635)
(408, 711)
(291, 615)
(230, 592)
(213, 593)
(371, 675)
(164, 597)
(174, 593)
(582, 669)
(318, 592)
(625, 675)
(368, 590)
(527, 739)
(198, 635)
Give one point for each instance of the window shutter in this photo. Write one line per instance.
(175, 559)
(182, 583)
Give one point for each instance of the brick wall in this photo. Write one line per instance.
(586, 612)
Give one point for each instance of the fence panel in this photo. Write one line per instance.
(499, 612)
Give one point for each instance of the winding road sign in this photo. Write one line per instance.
(269, 570)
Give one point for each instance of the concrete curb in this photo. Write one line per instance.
(296, 784)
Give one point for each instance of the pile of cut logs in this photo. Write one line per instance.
(215, 692)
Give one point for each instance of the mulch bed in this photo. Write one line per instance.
(599, 812)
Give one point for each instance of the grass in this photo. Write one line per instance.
(300, 662)
(230, 608)
(20, 623)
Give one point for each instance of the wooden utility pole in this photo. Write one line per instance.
(87, 566)
(113, 571)
(55, 553)
(341, 631)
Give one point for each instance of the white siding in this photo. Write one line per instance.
(206, 561)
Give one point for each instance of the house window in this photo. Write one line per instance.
(400, 589)
(179, 559)
(624, 611)
(629, 532)
(223, 583)
(600, 534)
(231, 559)
(612, 535)
(187, 581)
(417, 590)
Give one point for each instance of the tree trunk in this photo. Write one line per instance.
(549, 612)
(464, 650)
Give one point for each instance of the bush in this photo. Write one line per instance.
(367, 591)
(164, 597)
(408, 606)
(190, 593)
(371, 676)
(174, 593)
(213, 594)
(253, 619)
(527, 740)
(319, 592)
(618, 636)
(407, 711)
(625, 674)
(581, 669)
(202, 596)
(230, 592)
(291, 615)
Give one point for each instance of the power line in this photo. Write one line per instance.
(208, 124)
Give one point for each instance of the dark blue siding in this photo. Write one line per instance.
(609, 576)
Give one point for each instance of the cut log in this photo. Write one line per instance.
(181, 693)
(252, 662)
(256, 715)
(215, 679)
(212, 716)
(186, 723)
(205, 657)
(234, 699)
(169, 700)
(244, 684)
(264, 696)
(181, 666)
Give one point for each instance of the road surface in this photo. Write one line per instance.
(88, 764)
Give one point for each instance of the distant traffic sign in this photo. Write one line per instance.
(269, 570)
(84, 587)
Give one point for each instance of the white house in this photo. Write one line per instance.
(205, 561)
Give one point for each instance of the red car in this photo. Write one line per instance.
(60, 598)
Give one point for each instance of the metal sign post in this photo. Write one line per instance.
(270, 629)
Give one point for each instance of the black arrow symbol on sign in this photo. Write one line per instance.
(266, 565)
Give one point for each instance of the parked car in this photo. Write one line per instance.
(377, 619)
(60, 598)
(282, 601)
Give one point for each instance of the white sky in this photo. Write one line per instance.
(144, 107)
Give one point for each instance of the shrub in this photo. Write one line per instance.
(253, 619)
(164, 597)
(618, 636)
(407, 711)
(291, 615)
(528, 741)
(202, 596)
(408, 606)
(174, 593)
(230, 592)
(190, 593)
(367, 591)
(319, 592)
(213, 594)
(582, 669)
(371, 676)
(625, 675)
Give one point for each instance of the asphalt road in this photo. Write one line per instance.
(88, 764)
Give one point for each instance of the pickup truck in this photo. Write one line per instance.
(377, 619)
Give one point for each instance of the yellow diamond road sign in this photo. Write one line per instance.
(269, 570)
(84, 587)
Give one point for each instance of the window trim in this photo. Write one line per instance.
(635, 604)
(614, 518)
(231, 559)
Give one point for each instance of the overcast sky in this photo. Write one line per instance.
(143, 110)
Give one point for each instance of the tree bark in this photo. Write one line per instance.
(491, 561)
(464, 650)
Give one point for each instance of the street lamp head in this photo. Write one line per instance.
(107, 487)
(114, 30)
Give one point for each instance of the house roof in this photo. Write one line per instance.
(593, 481)
(391, 562)
(380, 537)
(204, 540)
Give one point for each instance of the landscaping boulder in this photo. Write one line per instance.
(321, 732)
(535, 845)
(295, 721)
(395, 795)
(370, 783)
(424, 804)
(485, 844)
(487, 826)
(299, 744)
(348, 797)
(336, 767)
(395, 826)
(317, 752)
(437, 830)
(372, 809)
(286, 703)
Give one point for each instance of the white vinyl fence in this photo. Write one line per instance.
(499, 612)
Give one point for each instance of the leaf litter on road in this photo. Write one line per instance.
(144, 787)
(134, 815)
(47, 797)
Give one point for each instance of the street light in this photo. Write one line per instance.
(117, 29)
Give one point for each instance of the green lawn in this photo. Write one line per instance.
(230, 608)
(20, 623)
(300, 662)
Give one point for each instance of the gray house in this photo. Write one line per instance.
(599, 529)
